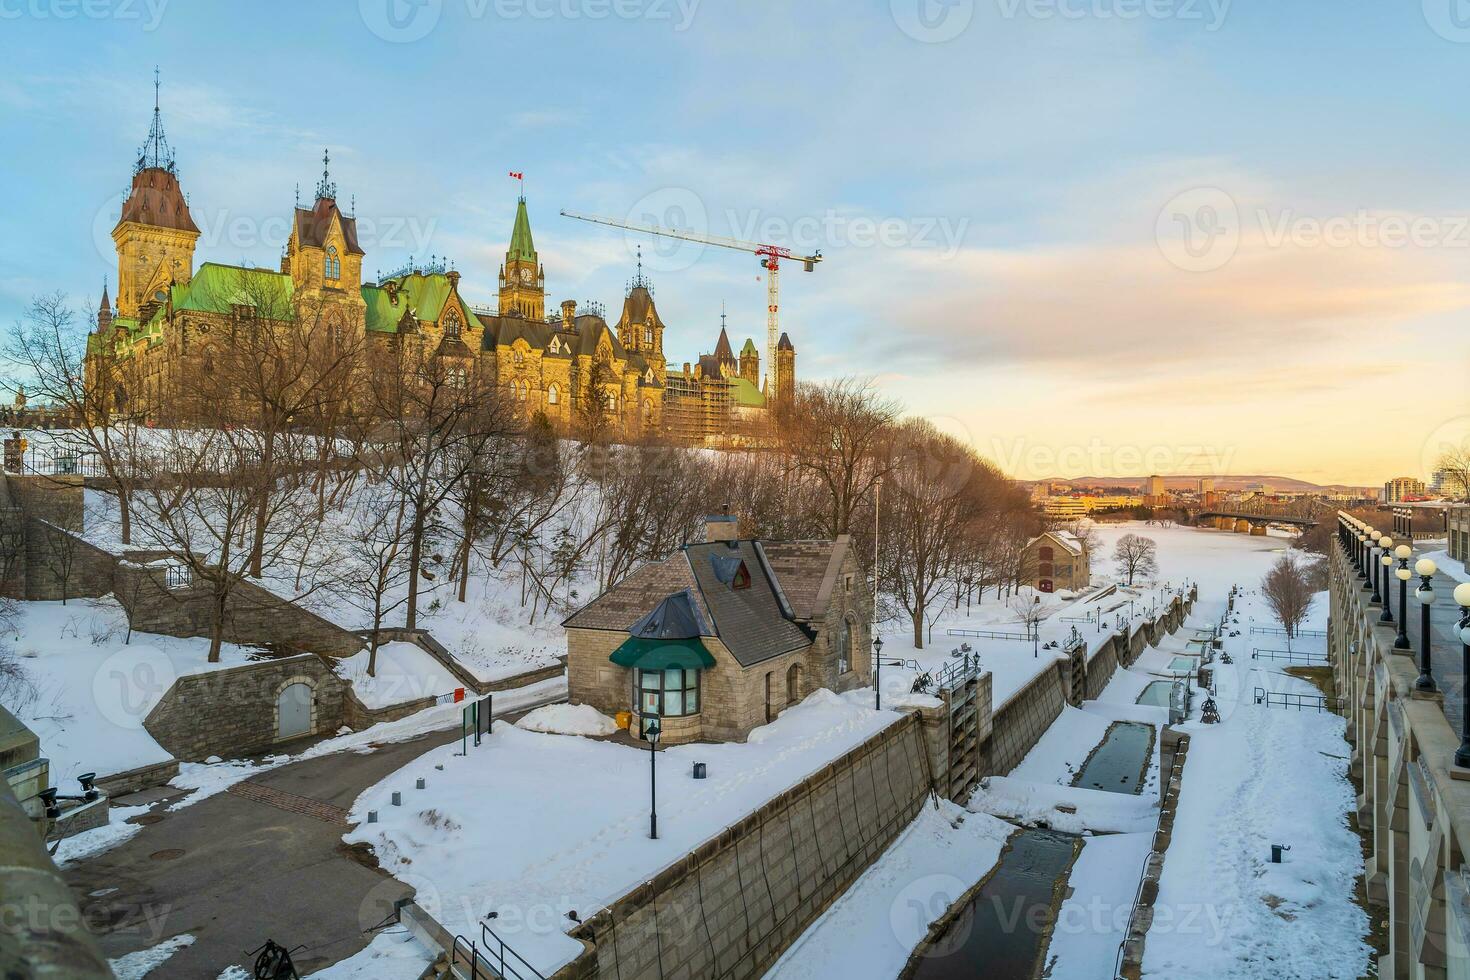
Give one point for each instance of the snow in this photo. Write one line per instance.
(1094, 919)
(1227, 911)
(533, 825)
(90, 843)
(93, 690)
(568, 719)
(135, 966)
(871, 930)
(208, 779)
(394, 954)
(403, 672)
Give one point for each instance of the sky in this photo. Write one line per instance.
(1088, 237)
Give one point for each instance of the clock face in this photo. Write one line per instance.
(526, 275)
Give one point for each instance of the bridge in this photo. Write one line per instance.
(1250, 518)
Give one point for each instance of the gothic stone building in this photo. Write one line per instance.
(722, 637)
(169, 313)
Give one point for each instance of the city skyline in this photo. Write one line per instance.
(1035, 271)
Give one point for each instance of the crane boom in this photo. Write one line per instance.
(770, 259)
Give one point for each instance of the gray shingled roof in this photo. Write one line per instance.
(806, 571)
(751, 622)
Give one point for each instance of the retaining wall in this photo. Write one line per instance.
(731, 908)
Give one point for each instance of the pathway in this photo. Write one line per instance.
(264, 860)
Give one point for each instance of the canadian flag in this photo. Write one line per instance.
(517, 176)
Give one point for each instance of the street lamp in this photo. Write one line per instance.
(651, 731)
(1402, 573)
(1373, 568)
(1367, 536)
(1425, 594)
(1462, 599)
(1386, 616)
(877, 673)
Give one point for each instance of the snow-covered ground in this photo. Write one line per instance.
(872, 929)
(1262, 776)
(533, 825)
(90, 690)
(403, 672)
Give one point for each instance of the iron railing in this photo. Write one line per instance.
(1301, 702)
(989, 634)
(1278, 631)
(1291, 656)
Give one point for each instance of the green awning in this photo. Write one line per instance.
(646, 654)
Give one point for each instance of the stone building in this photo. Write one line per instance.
(725, 635)
(1057, 560)
(171, 314)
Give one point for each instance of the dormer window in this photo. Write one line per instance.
(451, 325)
(331, 264)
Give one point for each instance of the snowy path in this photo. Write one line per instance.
(1263, 776)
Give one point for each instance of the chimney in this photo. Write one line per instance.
(721, 527)
(568, 314)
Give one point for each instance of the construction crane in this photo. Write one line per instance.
(771, 257)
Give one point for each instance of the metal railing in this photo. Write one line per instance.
(1278, 631)
(496, 962)
(1301, 702)
(989, 634)
(1291, 656)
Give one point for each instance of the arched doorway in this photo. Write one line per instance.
(793, 683)
(293, 710)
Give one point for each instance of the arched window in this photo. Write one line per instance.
(553, 395)
(648, 336)
(647, 412)
(844, 647)
(612, 401)
(518, 357)
(1045, 553)
(451, 324)
(331, 264)
(525, 390)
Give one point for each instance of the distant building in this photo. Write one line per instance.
(1206, 485)
(1153, 486)
(1402, 488)
(1057, 560)
(1064, 507)
(1445, 483)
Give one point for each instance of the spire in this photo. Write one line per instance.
(325, 188)
(722, 346)
(155, 153)
(722, 316)
(639, 280)
(521, 246)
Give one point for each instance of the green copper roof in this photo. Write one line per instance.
(647, 654)
(218, 288)
(424, 294)
(746, 393)
(749, 347)
(521, 246)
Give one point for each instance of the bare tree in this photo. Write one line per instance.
(376, 561)
(47, 351)
(1136, 556)
(1029, 612)
(1288, 591)
(61, 555)
(836, 433)
(1454, 465)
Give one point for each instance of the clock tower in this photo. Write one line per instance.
(522, 280)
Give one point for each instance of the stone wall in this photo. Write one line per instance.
(733, 906)
(1018, 724)
(232, 712)
(253, 616)
(1100, 669)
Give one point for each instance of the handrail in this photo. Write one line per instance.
(1287, 699)
(989, 634)
(1290, 656)
(1278, 631)
(512, 972)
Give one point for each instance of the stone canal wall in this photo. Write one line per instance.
(732, 906)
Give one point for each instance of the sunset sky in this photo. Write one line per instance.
(1093, 237)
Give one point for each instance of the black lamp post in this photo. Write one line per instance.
(1366, 536)
(1402, 573)
(1386, 617)
(1425, 594)
(1373, 569)
(651, 732)
(1462, 598)
(878, 673)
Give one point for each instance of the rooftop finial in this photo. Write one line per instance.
(298, 193)
(155, 153)
(639, 280)
(326, 189)
(722, 314)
